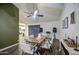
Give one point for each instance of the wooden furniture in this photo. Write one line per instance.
(36, 40)
(32, 43)
(55, 47)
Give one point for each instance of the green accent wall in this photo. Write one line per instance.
(9, 20)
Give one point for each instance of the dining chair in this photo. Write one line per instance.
(34, 48)
(55, 47)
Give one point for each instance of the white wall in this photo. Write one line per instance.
(73, 29)
(47, 26)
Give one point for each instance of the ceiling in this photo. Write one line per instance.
(51, 11)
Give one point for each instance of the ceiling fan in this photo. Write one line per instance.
(35, 12)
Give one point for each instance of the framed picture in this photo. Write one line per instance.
(73, 18)
(65, 23)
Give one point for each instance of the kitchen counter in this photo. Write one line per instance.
(70, 50)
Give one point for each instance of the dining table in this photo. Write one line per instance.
(29, 42)
(35, 40)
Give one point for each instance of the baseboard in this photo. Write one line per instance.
(8, 47)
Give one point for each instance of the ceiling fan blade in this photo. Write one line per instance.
(28, 12)
(39, 15)
(28, 16)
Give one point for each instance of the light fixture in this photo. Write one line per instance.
(35, 14)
